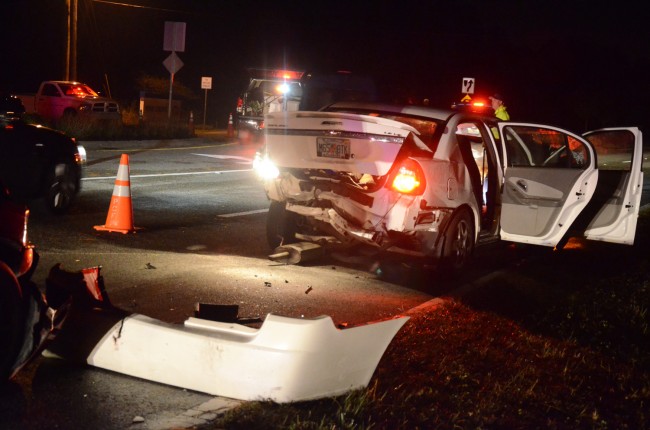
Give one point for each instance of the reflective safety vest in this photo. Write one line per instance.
(502, 113)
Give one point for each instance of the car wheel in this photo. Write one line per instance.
(458, 245)
(11, 321)
(61, 188)
(281, 225)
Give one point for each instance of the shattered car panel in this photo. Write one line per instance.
(285, 360)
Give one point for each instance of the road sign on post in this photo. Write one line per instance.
(468, 86)
(174, 36)
(206, 84)
(174, 41)
(173, 63)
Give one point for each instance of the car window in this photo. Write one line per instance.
(614, 149)
(50, 90)
(540, 147)
(427, 127)
(78, 90)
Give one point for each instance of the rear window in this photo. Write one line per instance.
(427, 127)
(78, 90)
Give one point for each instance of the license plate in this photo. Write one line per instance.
(332, 147)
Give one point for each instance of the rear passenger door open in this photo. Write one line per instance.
(612, 214)
(552, 184)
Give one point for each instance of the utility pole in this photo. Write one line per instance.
(66, 75)
(71, 41)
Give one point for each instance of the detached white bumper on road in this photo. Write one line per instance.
(285, 360)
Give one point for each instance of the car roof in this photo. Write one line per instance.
(422, 111)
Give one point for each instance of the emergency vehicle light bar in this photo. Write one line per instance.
(276, 74)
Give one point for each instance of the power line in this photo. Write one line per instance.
(114, 3)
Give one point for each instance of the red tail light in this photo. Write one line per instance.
(408, 178)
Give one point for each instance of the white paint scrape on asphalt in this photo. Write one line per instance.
(236, 214)
(242, 160)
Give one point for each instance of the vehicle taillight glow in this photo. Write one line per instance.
(24, 239)
(408, 178)
(80, 156)
(27, 258)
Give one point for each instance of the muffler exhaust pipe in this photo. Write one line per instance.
(294, 253)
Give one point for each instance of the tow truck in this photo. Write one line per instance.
(281, 90)
(269, 90)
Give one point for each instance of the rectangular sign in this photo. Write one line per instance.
(206, 83)
(174, 36)
(468, 86)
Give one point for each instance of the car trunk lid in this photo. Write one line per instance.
(334, 141)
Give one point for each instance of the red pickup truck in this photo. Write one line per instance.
(56, 99)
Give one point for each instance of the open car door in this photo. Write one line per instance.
(552, 184)
(612, 214)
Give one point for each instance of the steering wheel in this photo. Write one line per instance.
(554, 154)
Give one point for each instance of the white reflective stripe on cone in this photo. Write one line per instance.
(123, 173)
(122, 191)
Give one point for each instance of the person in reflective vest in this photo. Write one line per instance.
(500, 110)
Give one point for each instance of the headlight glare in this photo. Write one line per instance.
(264, 167)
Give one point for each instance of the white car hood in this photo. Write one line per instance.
(335, 141)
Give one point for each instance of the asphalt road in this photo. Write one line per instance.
(200, 217)
(200, 214)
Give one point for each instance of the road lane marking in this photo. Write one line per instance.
(242, 160)
(156, 175)
(142, 149)
(258, 211)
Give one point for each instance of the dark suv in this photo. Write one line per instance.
(37, 162)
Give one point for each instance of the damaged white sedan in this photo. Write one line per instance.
(433, 184)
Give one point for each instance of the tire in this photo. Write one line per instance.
(12, 322)
(458, 245)
(61, 188)
(281, 225)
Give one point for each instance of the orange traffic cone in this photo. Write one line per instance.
(231, 131)
(120, 213)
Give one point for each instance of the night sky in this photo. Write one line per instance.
(576, 64)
